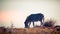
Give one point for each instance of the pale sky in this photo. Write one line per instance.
(16, 11)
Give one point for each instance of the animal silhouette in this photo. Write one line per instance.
(33, 18)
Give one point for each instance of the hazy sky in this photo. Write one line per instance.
(16, 11)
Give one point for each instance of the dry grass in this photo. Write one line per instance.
(36, 30)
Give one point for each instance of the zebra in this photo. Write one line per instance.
(33, 18)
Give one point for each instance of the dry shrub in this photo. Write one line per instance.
(57, 29)
(49, 23)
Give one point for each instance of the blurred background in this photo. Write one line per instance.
(16, 11)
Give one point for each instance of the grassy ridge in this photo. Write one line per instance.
(37, 30)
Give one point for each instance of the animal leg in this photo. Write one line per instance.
(33, 24)
(29, 24)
